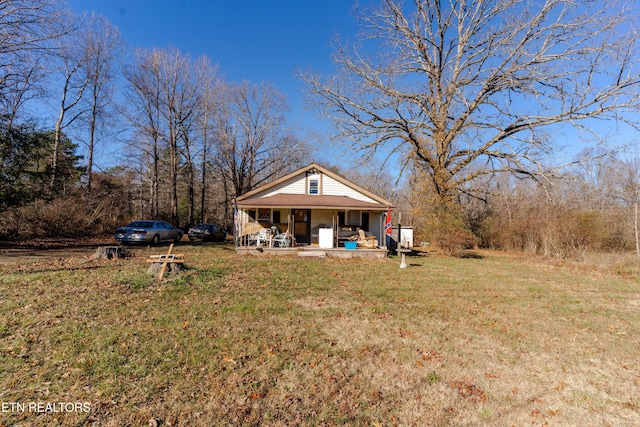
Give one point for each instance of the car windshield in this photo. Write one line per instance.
(141, 224)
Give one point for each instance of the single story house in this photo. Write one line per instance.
(309, 202)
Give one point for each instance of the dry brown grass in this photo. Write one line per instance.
(490, 340)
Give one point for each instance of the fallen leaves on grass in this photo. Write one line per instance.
(429, 355)
(403, 333)
(468, 391)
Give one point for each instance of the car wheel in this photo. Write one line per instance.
(155, 240)
(178, 238)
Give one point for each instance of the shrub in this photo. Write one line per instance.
(446, 225)
(455, 241)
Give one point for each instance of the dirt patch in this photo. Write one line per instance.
(39, 249)
(43, 249)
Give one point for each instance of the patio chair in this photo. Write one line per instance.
(261, 236)
(366, 241)
(282, 240)
(264, 236)
(251, 239)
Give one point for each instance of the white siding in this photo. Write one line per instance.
(331, 187)
(324, 216)
(320, 217)
(328, 187)
(295, 185)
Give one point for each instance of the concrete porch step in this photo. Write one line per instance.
(312, 253)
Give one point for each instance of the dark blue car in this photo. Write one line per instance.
(207, 232)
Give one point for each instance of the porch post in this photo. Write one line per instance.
(236, 224)
(381, 232)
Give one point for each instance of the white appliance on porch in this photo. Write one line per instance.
(325, 238)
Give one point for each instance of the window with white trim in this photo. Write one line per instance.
(314, 186)
(313, 183)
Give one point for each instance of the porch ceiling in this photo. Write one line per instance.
(301, 201)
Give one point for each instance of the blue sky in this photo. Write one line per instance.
(258, 41)
(251, 40)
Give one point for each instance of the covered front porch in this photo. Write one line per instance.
(331, 227)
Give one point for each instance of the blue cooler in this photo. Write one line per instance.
(350, 245)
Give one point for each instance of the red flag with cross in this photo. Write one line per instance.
(387, 224)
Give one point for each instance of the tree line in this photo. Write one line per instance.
(593, 207)
(192, 141)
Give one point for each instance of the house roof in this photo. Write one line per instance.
(302, 201)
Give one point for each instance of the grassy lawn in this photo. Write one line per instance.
(496, 340)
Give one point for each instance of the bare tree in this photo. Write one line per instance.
(144, 114)
(211, 86)
(27, 28)
(148, 105)
(166, 102)
(254, 145)
(21, 83)
(628, 189)
(374, 178)
(102, 47)
(74, 81)
(470, 88)
(596, 176)
(180, 99)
